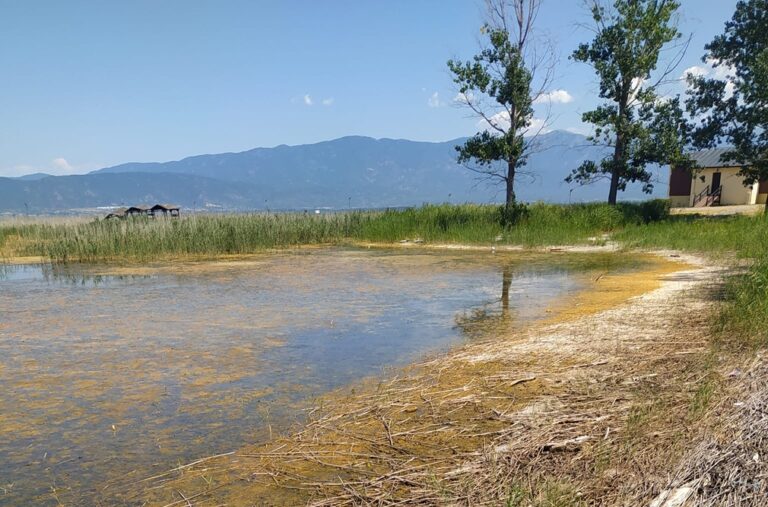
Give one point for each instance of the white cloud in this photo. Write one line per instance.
(720, 70)
(434, 100)
(537, 126)
(329, 101)
(61, 165)
(714, 70)
(635, 86)
(463, 98)
(308, 100)
(500, 120)
(554, 97)
(696, 71)
(58, 166)
(18, 170)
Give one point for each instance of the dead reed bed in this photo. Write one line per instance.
(729, 464)
(594, 410)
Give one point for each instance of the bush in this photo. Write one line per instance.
(511, 215)
(644, 212)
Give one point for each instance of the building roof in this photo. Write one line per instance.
(117, 213)
(711, 158)
(167, 207)
(140, 208)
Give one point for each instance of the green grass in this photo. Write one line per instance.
(744, 319)
(145, 239)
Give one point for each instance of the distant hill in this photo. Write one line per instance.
(58, 193)
(360, 171)
(33, 176)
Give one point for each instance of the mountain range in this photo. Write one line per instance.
(355, 171)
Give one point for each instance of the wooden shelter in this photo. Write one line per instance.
(137, 210)
(118, 213)
(166, 209)
(171, 210)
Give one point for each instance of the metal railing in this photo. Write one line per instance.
(700, 196)
(707, 198)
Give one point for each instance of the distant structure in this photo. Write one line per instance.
(137, 211)
(118, 213)
(713, 183)
(166, 209)
(171, 210)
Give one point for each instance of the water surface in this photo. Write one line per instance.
(107, 378)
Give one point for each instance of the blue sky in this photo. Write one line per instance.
(88, 84)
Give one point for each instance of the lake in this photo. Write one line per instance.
(112, 374)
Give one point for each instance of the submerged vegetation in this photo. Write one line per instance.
(667, 371)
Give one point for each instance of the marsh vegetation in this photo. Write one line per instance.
(210, 236)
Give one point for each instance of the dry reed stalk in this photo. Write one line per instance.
(729, 466)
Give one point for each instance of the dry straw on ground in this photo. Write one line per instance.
(728, 466)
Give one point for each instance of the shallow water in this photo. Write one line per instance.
(106, 379)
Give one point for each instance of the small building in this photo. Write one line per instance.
(118, 213)
(712, 183)
(137, 210)
(166, 209)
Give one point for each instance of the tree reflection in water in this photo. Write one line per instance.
(495, 315)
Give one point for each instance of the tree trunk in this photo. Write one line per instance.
(618, 156)
(511, 167)
(618, 150)
(614, 190)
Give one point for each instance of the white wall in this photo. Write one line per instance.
(734, 191)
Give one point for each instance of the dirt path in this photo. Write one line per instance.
(594, 407)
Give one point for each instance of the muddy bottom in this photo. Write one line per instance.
(109, 374)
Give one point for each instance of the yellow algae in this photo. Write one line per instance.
(606, 289)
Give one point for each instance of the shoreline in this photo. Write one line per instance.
(128, 263)
(454, 416)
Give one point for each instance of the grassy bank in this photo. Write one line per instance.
(744, 320)
(211, 235)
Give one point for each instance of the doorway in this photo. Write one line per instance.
(715, 182)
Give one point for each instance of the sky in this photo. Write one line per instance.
(90, 84)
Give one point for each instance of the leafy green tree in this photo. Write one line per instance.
(639, 126)
(497, 86)
(732, 107)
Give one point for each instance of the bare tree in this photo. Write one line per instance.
(512, 72)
